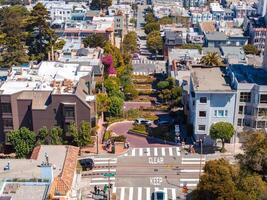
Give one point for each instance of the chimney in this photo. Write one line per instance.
(47, 169)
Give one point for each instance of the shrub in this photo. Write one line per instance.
(107, 135)
(120, 138)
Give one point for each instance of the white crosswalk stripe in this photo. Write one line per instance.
(144, 193)
(154, 151)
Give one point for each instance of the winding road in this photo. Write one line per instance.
(122, 128)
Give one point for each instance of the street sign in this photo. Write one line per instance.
(109, 174)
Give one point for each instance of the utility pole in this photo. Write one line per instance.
(200, 168)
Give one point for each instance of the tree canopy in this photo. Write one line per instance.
(153, 26)
(250, 49)
(95, 40)
(223, 131)
(81, 137)
(154, 42)
(100, 4)
(103, 102)
(129, 44)
(165, 20)
(255, 152)
(23, 141)
(116, 106)
(224, 181)
(212, 59)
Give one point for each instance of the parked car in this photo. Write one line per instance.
(159, 195)
(143, 121)
(87, 164)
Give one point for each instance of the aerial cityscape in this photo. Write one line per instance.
(133, 99)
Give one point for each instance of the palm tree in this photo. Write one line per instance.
(212, 59)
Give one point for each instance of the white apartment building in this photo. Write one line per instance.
(262, 7)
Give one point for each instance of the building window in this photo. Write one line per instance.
(69, 111)
(241, 110)
(261, 124)
(220, 113)
(262, 112)
(245, 97)
(202, 113)
(203, 99)
(201, 127)
(248, 110)
(239, 122)
(8, 123)
(247, 122)
(6, 108)
(263, 98)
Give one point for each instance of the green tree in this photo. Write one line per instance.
(130, 92)
(83, 136)
(150, 27)
(117, 57)
(255, 152)
(23, 141)
(56, 136)
(41, 36)
(100, 4)
(212, 59)
(165, 94)
(42, 136)
(59, 44)
(103, 102)
(154, 42)
(223, 131)
(216, 182)
(149, 17)
(129, 44)
(95, 40)
(176, 92)
(250, 49)
(163, 85)
(112, 84)
(165, 20)
(116, 105)
(12, 28)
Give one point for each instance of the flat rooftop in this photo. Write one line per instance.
(209, 79)
(249, 74)
(20, 191)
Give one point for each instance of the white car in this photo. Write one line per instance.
(143, 121)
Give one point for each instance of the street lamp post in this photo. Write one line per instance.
(200, 167)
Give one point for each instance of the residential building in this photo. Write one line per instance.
(99, 25)
(172, 39)
(211, 99)
(217, 11)
(262, 7)
(48, 94)
(215, 39)
(200, 14)
(233, 55)
(49, 173)
(256, 29)
(194, 3)
(250, 85)
(242, 9)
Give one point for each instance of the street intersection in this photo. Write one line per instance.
(142, 171)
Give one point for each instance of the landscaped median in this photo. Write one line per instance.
(139, 129)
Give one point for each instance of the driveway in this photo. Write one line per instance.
(122, 128)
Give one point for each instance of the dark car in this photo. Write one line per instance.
(87, 164)
(159, 195)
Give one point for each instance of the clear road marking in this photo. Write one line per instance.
(170, 151)
(166, 192)
(189, 179)
(103, 179)
(193, 163)
(155, 180)
(122, 193)
(155, 151)
(101, 183)
(148, 193)
(139, 193)
(114, 190)
(155, 160)
(131, 193)
(178, 151)
(141, 151)
(190, 170)
(105, 162)
(148, 151)
(163, 151)
(173, 193)
(189, 184)
(111, 159)
(133, 152)
(193, 159)
(104, 170)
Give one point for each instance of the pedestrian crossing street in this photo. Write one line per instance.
(144, 193)
(156, 151)
(102, 166)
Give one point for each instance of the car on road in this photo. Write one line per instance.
(159, 195)
(87, 164)
(143, 121)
